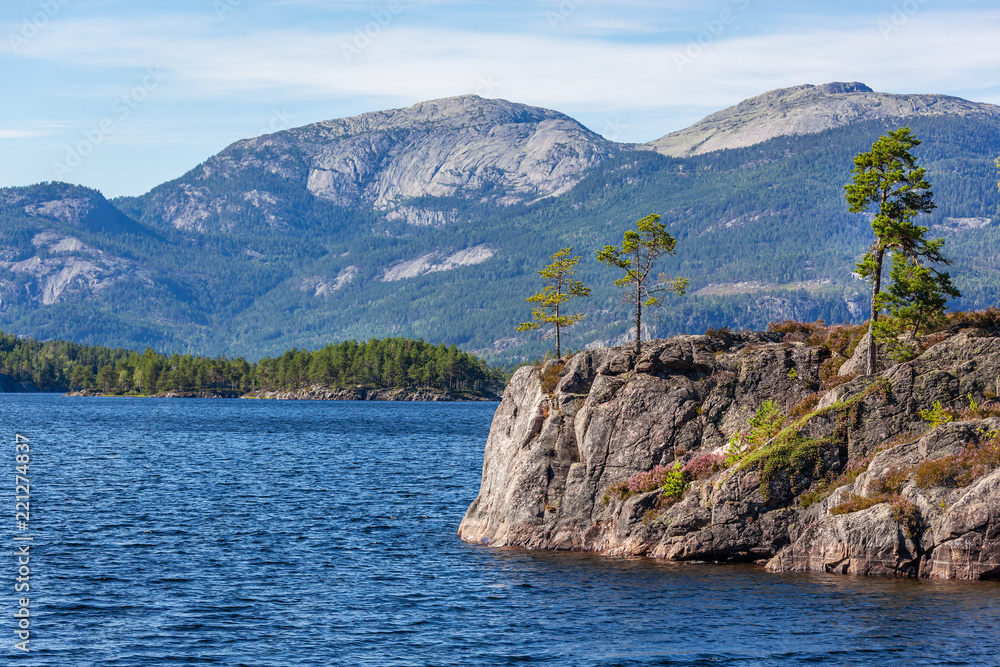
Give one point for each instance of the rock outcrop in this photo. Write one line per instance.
(43, 260)
(855, 482)
(808, 109)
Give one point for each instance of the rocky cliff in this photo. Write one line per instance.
(663, 455)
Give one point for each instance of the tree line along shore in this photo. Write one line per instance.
(395, 363)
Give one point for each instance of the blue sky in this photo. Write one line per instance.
(122, 96)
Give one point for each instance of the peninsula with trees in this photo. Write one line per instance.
(869, 449)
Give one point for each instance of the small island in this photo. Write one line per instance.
(393, 369)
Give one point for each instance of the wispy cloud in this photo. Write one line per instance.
(954, 51)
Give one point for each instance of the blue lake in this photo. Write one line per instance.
(267, 533)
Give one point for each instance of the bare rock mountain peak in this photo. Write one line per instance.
(485, 150)
(411, 165)
(807, 109)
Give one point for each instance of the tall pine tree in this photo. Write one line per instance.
(888, 183)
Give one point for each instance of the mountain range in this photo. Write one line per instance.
(431, 221)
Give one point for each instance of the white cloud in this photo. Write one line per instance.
(928, 52)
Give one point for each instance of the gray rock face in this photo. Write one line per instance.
(57, 266)
(566, 434)
(807, 109)
(469, 147)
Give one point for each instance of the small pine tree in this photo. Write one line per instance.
(915, 302)
(640, 249)
(560, 288)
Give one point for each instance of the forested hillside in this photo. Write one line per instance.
(763, 233)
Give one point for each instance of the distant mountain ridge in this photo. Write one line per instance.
(484, 150)
(432, 221)
(808, 109)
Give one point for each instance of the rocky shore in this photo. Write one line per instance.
(895, 474)
(319, 393)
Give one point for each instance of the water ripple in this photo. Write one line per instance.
(201, 532)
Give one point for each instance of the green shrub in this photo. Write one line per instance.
(937, 415)
(789, 452)
(977, 411)
(764, 425)
(676, 482)
(673, 481)
(906, 513)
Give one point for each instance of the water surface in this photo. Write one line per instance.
(273, 533)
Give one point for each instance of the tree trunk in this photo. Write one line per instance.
(558, 348)
(638, 327)
(876, 288)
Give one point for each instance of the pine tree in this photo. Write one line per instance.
(640, 249)
(915, 302)
(560, 288)
(888, 182)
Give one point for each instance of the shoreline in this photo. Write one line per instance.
(315, 393)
